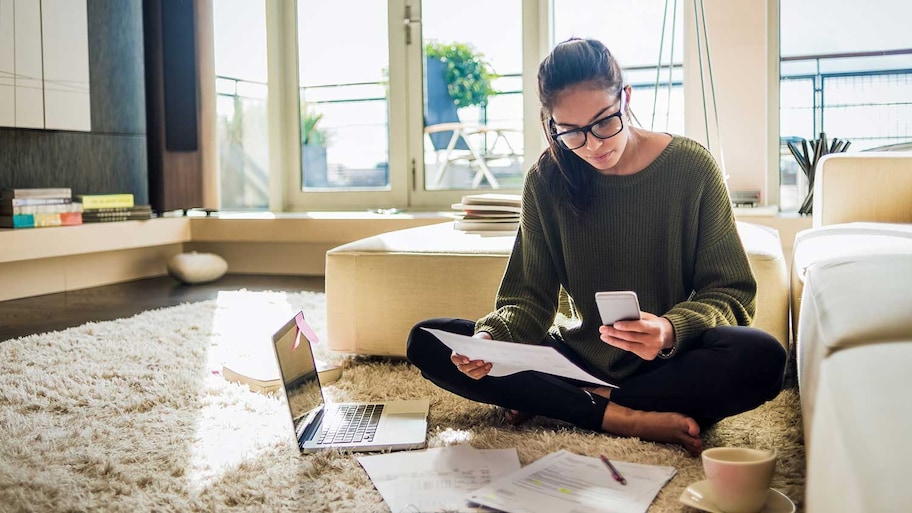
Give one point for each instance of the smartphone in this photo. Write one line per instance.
(617, 306)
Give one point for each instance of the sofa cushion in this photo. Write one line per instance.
(848, 302)
(841, 240)
(767, 261)
(859, 448)
(863, 186)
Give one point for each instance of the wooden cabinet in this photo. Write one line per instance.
(65, 52)
(7, 64)
(44, 64)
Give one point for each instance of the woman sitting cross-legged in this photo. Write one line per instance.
(609, 206)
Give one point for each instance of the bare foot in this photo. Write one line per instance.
(654, 426)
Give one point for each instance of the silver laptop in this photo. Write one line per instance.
(392, 425)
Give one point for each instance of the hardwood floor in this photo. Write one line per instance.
(52, 312)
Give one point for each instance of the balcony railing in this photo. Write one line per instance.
(861, 97)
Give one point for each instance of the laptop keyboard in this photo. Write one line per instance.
(350, 423)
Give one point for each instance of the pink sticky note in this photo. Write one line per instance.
(305, 328)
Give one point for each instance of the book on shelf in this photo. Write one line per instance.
(90, 201)
(490, 214)
(22, 202)
(136, 213)
(51, 208)
(480, 209)
(36, 193)
(513, 200)
(112, 219)
(120, 210)
(40, 220)
(492, 233)
(487, 225)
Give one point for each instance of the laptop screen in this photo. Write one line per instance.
(299, 374)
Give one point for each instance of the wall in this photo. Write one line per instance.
(744, 53)
(113, 156)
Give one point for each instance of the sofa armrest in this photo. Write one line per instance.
(873, 186)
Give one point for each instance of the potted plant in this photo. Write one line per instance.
(468, 74)
(313, 149)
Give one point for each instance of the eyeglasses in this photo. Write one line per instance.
(604, 128)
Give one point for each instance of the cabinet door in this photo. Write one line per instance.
(65, 41)
(28, 76)
(7, 65)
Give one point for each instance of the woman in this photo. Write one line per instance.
(609, 206)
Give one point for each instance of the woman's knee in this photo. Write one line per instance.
(768, 358)
(421, 344)
(755, 351)
(417, 340)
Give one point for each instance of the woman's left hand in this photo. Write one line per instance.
(644, 338)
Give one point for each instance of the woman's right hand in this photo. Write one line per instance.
(475, 369)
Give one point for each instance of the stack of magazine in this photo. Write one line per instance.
(488, 214)
(38, 207)
(101, 208)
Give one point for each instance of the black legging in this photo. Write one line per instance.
(725, 371)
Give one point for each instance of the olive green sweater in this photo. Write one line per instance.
(667, 232)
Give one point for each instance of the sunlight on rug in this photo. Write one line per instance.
(133, 415)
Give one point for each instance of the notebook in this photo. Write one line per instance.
(391, 425)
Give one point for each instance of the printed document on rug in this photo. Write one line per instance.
(566, 482)
(436, 479)
(510, 357)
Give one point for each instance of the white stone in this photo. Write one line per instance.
(196, 267)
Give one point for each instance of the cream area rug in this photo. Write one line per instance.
(133, 415)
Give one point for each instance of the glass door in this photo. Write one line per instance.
(346, 105)
(471, 120)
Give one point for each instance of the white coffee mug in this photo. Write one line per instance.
(739, 477)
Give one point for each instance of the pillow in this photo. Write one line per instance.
(196, 267)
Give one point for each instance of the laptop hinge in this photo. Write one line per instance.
(310, 426)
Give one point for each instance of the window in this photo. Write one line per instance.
(853, 88)
(241, 95)
(337, 114)
(374, 133)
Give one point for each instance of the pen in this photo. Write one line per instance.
(614, 472)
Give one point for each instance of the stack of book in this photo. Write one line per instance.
(38, 207)
(100, 208)
(488, 214)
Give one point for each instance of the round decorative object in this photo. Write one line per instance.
(196, 267)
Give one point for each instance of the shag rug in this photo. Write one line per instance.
(133, 415)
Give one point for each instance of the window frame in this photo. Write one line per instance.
(407, 181)
(406, 124)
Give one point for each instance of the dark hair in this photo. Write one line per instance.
(572, 62)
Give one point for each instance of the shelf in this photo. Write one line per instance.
(57, 241)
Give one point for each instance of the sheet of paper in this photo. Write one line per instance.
(436, 479)
(510, 357)
(567, 482)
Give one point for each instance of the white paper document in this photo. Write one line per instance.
(436, 479)
(510, 357)
(563, 482)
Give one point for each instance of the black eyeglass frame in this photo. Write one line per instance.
(588, 129)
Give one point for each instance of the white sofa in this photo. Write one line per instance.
(851, 295)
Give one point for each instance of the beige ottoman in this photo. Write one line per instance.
(377, 288)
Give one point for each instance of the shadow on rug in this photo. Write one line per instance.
(132, 415)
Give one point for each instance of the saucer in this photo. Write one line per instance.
(700, 496)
